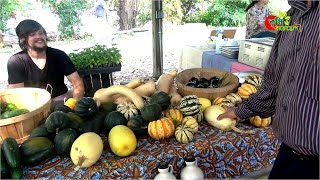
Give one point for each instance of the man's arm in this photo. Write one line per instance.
(76, 81)
(18, 85)
(263, 102)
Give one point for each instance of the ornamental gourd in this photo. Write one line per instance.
(260, 122)
(254, 80)
(175, 116)
(160, 129)
(224, 102)
(190, 122)
(189, 105)
(246, 90)
(198, 116)
(234, 98)
(128, 109)
(71, 103)
(184, 134)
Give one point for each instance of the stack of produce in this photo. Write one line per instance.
(252, 83)
(122, 113)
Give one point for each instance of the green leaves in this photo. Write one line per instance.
(96, 57)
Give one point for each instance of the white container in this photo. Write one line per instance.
(191, 171)
(219, 44)
(165, 172)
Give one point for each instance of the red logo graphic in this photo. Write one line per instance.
(268, 24)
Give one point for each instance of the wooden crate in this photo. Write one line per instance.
(255, 52)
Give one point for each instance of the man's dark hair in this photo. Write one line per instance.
(25, 28)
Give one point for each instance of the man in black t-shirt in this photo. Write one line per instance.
(38, 65)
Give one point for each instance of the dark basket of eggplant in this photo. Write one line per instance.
(206, 83)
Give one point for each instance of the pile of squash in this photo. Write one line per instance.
(250, 86)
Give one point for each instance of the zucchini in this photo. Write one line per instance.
(5, 169)
(36, 150)
(11, 152)
(13, 113)
(16, 173)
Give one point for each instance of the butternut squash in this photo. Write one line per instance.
(135, 83)
(226, 124)
(165, 81)
(175, 96)
(105, 95)
(146, 89)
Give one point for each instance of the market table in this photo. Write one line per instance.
(219, 155)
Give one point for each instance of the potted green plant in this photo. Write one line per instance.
(95, 65)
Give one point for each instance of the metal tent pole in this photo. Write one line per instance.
(157, 16)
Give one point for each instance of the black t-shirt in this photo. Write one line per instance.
(22, 69)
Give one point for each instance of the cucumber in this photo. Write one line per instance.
(16, 173)
(16, 112)
(9, 107)
(11, 152)
(5, 169)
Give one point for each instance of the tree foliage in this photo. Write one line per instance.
(68, 12)
(222, 13)
(6, 6)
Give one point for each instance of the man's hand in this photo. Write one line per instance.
(230, 113)
(78, 88)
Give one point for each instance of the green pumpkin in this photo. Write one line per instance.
(86, 106)
(108, 106)
(151, 112)
(40, 131)
(96, 123)
(59, 120)
(36, 150)
(138, 125)
(114, 118)
(161, 98)
(63, 108)
(63, 142)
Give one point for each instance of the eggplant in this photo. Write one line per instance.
(205, 82)
(200, 85)
(191, 84)
(214, 81)
(194, 80)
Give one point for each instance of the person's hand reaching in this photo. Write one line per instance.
(230, 113)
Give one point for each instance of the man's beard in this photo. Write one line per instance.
(39, 49)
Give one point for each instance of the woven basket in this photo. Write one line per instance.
(36, 100)
(209, 93)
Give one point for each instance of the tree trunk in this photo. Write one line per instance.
(127, 13)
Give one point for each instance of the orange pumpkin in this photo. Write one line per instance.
(260, 122)
(160, 129)
(246, 90)
(218, 100)
(175, 115)
(71, 103)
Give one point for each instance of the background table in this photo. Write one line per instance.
(219, 154)
(212, 60)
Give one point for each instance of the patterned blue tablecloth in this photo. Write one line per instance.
(219, 155)
(212, 60)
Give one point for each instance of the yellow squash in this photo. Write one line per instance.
(86, 150)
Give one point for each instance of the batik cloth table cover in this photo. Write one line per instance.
(219, 154)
